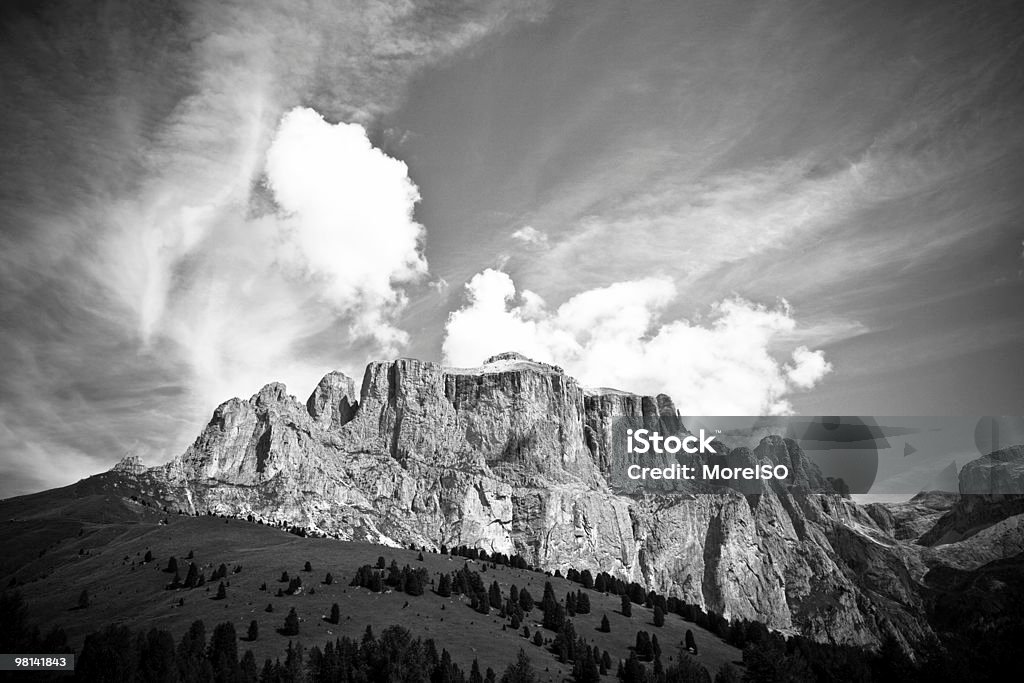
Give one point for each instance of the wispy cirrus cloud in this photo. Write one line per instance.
(150, 242)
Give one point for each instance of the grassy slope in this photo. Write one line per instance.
(53, 581)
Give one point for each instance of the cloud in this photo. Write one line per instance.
(530, 235)
(181, 214)
(349, 219)
(723, 364)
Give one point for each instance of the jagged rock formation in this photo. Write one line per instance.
(991, 492)
(514, 456)
(130, 465)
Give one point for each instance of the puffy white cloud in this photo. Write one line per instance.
(349, 220)
(530, 235)
(723, 364)
(808, 367)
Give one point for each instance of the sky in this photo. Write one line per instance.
(758, 208)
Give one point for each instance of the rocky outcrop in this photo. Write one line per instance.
(514, 456)
(130, 465)
(333, 403)
(991, 490)
(998, 473)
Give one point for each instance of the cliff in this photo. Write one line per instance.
(514, 456)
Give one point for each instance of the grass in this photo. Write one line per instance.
(136, 596)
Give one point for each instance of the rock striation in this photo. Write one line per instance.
(514, 456)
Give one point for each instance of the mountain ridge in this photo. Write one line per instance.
(514, 456)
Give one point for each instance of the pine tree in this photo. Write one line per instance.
(223, 652)
(291, 624)
(250, 674)
(587, 579)
(381, 564)
(172, 565)
(691, 644)
(329, 579)
(627, 606)
(192, 577)
(606, 627)
(284, 577)
(254, 630)
(222, 592)
(525, 600)
(307, 567)
(149, 556)
(538, 639)
(335, 614)
(643, 645)
(521, 671)
(494, 595)
(659, 616)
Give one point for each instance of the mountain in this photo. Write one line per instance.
(514, 456)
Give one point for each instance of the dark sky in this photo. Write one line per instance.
(807, 207)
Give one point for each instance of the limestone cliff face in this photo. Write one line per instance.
(514, 456)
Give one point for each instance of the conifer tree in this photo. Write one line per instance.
(291, 624)
(525, 600)
(192, 576)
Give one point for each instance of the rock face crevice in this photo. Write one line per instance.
(514, 456)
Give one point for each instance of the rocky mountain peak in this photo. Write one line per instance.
(333, 403)
(507, 355)
(129, 464)
(514, 456)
